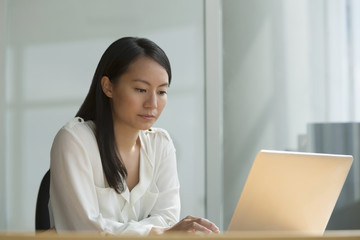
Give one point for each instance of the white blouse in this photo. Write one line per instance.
(81, 200)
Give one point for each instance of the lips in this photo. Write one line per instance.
(147, 117)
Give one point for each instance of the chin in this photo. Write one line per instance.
(145, 127)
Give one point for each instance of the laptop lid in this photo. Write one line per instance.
(290, 191)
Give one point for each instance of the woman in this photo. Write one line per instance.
(110, 170)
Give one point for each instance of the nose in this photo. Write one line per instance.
(151, 101)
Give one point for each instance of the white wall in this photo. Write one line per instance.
(52, 51)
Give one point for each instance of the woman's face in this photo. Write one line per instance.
(140, 94)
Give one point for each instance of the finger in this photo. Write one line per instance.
(196, 227)
(189, 217)
(209, 225)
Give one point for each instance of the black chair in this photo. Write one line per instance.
(42, 217)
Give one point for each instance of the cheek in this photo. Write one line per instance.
(129, 100)
(162, 104)
(125, 101)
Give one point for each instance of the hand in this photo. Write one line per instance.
(193, 224)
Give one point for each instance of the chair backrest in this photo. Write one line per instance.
(42, 217)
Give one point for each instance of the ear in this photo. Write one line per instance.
(106, 86)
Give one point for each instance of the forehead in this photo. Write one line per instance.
(146, 69)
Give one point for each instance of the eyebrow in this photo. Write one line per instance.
(147, 83)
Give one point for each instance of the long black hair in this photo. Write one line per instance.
(96, 106)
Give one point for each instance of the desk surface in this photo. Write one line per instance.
(331, 235)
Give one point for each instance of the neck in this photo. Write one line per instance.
(126, 138)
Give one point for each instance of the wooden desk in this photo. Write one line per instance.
(331, 235)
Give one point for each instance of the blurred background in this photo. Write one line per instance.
(247, 75)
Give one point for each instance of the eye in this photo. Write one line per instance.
(141, 90)
(162, 92)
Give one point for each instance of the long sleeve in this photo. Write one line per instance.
(80, 199)
(167, 206)
(73, 196)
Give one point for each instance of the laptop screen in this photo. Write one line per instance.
(290, 191)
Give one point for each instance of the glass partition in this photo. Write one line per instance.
(52, 51)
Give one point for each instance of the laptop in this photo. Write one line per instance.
(290, 192)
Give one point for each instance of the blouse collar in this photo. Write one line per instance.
(146, 170)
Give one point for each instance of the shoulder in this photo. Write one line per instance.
(157, 134)
(74, 146)
(78, 126)
(76, 129)
(156, 138)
